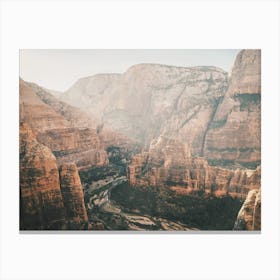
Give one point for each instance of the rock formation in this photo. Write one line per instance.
(72, 193)
(169, 163)
(41, 203)
(187, 129)
(249, 216)
(49, 199)
(149, 100)
(66, 130)
(234, 136)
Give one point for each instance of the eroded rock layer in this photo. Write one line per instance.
(169, 163)
(249, 216)
(72, 193)
(41, 203)
(49, 199)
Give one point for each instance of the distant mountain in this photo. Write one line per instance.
(149, 100)
(219, 118)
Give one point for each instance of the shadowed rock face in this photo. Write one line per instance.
(49, 199)
(66, 130)
(249, 216)
(235, 133)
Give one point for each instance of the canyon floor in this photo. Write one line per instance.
(113, 205)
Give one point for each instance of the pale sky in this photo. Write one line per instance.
(60, 69)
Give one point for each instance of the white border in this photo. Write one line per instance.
(156, 24)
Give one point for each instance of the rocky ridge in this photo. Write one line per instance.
(67, 131)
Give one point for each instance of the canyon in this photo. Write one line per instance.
(154, 148)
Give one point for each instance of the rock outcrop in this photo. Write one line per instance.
(72, 193)
(234, 135)
(249, 216)
(169, 163)
(67, 131)
(41, 203)
(49, 199)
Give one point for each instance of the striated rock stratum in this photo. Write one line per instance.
(168, 162)
(234, 135)
(72, 193)
(49, 199)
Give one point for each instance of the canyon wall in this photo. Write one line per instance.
(218, 117)
(169, 163)
(212, 122)
(49, 198)
(234, 136)
(41, 203)
(67, 131)
(185, 128)
(149, 100)
(72, 193)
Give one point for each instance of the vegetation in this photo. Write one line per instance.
(197, 210)
(100, 173)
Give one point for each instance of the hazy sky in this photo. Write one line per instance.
(60, 69)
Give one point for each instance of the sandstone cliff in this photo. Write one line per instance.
(41, 203)
(72, 193)
(149, 100)
(169, 163)
(49, 199)
(217, 118)
(234, 135)
(249, 216)
(66, 130)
